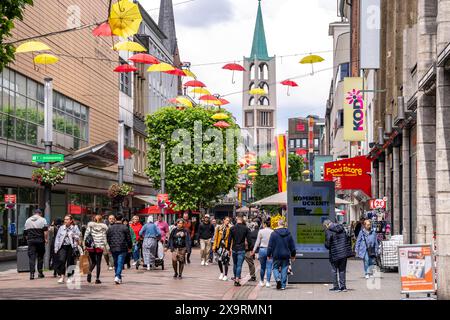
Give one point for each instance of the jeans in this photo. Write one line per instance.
(266, 265)
(65, 260)
(339, 268)
(284, 265)
(36, 250)
(368, 264)
(238, 261)
(136, 252)
(119, 260)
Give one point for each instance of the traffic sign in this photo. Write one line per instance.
(42, 158)
(10, 198)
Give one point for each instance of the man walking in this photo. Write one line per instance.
(206, 232)
(107, 253)
(339, 244)
(249, 255)
(36, 233)
(238, 235)
(281, 248)
(119, 240)
(190, 227)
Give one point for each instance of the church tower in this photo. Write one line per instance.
(259, 111)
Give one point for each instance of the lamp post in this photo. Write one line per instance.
(48, 138)
(120, 159)
(162, 168)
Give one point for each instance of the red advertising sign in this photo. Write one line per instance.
(10, 198)
(352, 174)
(300, 127)
(378, 203)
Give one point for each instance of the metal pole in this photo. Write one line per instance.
(48, 138)
(163, 172)
(120, 159)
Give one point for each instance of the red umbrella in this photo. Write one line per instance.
(233, 67)
(221, 124)
(223, 101)
(176, 72)
(173, 100)
(289, 83)
(125, 68)
(144, 58)
(103, 30)
(208, 97)
(266, 166)
(195, 84)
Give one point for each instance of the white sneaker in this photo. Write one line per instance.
(134, 263)
(69, 280)
(261, 283)
(61, 280)
(203, 262)
(110, 268)
(206, 263)
(148, 268)
(367, 276)
(267, 284)
(117, 280)
(120, 281)
(221, 276)
(225, 278)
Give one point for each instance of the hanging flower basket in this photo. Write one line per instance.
(119, 192)
(49, 177)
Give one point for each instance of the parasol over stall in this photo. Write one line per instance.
(289, 83)
(125, 18)
(233, 67)
(312, 59)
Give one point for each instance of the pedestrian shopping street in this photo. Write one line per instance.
(198, 283)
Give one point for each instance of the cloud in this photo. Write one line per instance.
(330, 5)
(204, 13)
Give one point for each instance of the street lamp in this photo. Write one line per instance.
(48, 138)
(120, 159)
(163, 171)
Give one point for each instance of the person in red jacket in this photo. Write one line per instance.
(190, 227)
(136, 226)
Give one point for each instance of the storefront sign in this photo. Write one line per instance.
(350, 174)
(378, 203)
(311, 134)
(10, 198)
(163, 200)
(42, 158)
(416, 268)
(300, 127)
(354, 110)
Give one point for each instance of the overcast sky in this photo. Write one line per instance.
(211, 31)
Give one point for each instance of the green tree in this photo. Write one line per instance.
(189, 185)
(9, 10)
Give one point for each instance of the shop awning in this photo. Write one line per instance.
(148, 199)
(101, 155)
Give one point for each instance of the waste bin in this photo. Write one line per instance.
(23, 264)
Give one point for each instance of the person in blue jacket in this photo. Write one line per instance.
(281, 248)
(151, 234)
(367, 247)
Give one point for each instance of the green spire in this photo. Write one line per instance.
(259, 48)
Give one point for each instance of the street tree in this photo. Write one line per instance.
(198, 165)
(9, 11)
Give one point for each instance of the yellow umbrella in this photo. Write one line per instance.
(253, 174)
(311, 59)
(220, 116)
(161, 67)
(31, 46)
(244, 171)
(251, 168)
(201, 91)
(129, 46)
(258, 91)
(125, 18)
(184, 101)
(45, 59)
(189, 73)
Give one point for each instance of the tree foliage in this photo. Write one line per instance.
(9, 11)
(191, 185)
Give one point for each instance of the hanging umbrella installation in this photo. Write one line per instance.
(176, 72)
(129, 46)
(258, 91)
(195, 84)
(102, 30)
(289, 84)
(125, 68)
(221, 102)
(144, 58)
(233, 67)
(161, 67)
(312, 59)
(45, 59)
(32, 46)
(201, 91)
(220, 116)
(125, 18)
(208, 98)
(221, 124)
(190, 74)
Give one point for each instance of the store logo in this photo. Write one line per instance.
(355, 99)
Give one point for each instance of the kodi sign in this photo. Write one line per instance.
(354, 110)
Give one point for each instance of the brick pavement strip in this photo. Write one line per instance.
(198, 283)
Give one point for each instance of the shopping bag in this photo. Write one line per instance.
(84, 264)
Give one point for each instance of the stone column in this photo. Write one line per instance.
(405, 186)
(387, 185)
(426, 121)
(443, 157)
(375, 183)
(381, 192)
(396, 191)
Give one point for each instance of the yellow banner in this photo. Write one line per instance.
(355, 121)
(282, 156)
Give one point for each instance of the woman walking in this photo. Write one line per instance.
(151, 234)
(95, 243)
(52, 232)
(66, 243)
(366, 247)
(220, 245)
(133, 240)
(262, 242)
(179, 245)
(136, 226)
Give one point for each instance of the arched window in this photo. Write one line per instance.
(251, 102)
(265, 86)
(264, 101)
(263, 71)
(251, 86)
(252, 71)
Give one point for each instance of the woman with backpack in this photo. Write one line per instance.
(367, 246)
(95, 243)
(220, 245)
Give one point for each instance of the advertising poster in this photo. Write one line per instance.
(416, 268)
(309, 205)
(354, 110)
(281, 159)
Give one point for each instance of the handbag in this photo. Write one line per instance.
(84, 263)
(370, 250)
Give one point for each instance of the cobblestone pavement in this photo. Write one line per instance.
(199, 283)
